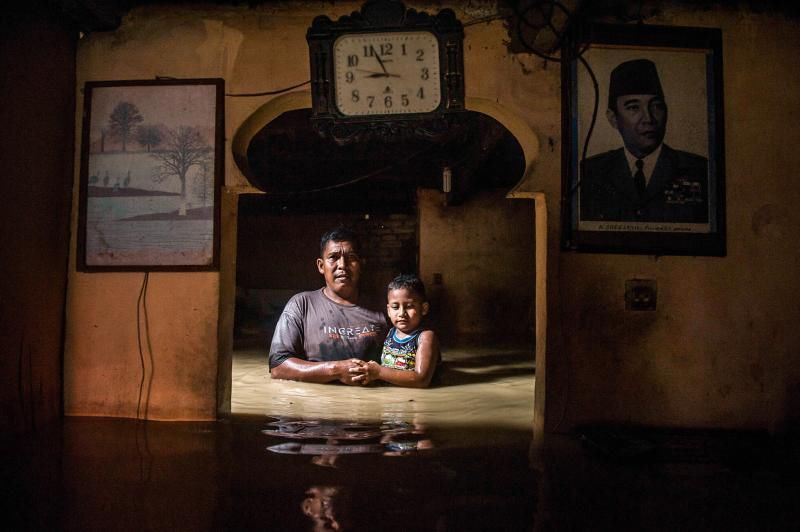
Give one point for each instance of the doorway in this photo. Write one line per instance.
(476, 261)
(473, 247)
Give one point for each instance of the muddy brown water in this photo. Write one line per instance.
(478, 387)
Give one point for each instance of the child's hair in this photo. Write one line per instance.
(410, 282)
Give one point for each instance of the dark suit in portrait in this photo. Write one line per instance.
(676, 193)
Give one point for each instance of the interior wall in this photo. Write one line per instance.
(476, 260)
(719, 351)
(37, 59)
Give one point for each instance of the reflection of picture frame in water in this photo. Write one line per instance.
(151, 171)
(643, 151)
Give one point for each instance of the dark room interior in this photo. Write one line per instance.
(597, 372)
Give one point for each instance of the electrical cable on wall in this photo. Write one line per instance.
(141, 309)
(141, 316)
(266, 93)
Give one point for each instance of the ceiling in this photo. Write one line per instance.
(106, 15)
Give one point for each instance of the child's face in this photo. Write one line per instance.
(405, 309)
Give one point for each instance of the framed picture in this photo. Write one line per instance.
(151, 170)
(643, 147)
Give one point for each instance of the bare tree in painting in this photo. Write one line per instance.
(183, 148)
(123, 121)
(148, 136)
(203, 186)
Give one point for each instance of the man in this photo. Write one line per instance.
(646, 181)
(323, 335)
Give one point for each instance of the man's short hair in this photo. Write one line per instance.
(410, 282)
(638, 76)
(340, 233)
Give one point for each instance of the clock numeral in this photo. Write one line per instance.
(355, 96)
(369, 51)
(404, 100)
(349, 77)
(421, 94)
(420, 55)
(370, 101)
(387, 102)
(352, 60)
(386, 49)
(424, 74)
(403, 48)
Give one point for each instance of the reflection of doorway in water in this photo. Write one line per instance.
(476, 259)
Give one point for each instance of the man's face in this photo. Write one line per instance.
(341, 267)
(641, 119)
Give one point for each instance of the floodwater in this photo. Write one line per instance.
(456, 457)
(478, 387)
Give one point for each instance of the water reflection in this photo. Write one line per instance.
(86, 474)
(327, 439)
(328, 507)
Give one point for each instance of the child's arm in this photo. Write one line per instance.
(427, 358)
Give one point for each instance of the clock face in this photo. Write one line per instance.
(387, 73)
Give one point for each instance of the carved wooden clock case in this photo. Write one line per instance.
(388, 72)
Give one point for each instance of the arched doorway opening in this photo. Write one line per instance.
(473, 246)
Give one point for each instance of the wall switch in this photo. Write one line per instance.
(640, 294)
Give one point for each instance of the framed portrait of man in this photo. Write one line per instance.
(643, 148)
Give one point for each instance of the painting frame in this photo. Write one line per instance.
(151, 174)
(680, 211)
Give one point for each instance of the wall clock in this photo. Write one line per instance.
(386, 71)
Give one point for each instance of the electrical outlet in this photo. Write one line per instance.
(640, 294)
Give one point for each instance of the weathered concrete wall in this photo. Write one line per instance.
(721, 349)
(476, 260)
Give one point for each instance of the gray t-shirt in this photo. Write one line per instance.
(314, 328)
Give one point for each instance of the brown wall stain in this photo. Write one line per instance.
(770, 220)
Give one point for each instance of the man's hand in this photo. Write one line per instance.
(350, 371)
(367, 373)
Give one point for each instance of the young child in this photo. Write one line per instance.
(410, 352)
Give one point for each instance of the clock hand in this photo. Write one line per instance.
(380, 61)
(372, 74)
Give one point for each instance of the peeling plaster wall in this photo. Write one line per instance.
(721, 350)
